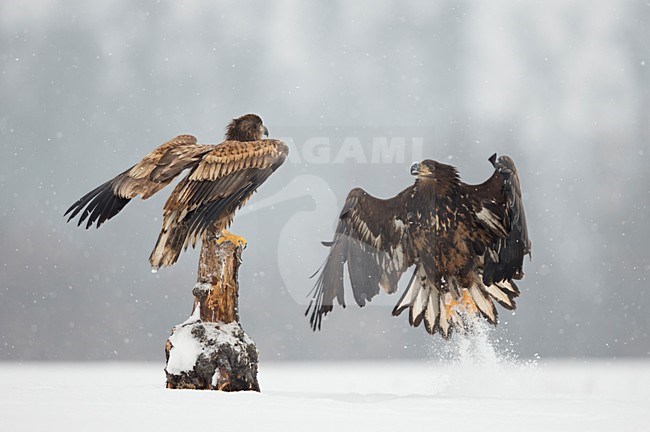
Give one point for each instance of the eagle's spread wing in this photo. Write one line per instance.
(372, 238)
(147, 177)
(499, 210)
(208, 197)
(467, 243)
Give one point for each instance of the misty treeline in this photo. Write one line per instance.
(359, 91)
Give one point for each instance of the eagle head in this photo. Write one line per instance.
(435, 171)
(248, 127)
(426, 168)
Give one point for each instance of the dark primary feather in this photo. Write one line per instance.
(145, 178)
(364, 271)
(100, 204)
(511, 250)
(216, 198)
(368, 246)
(329, 286)
(204, 217)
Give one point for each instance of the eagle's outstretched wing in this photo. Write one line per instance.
(509, 251)
(372, 238)
(147, 177)
(500, 215)
(208, 197)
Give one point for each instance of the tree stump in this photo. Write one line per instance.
(210, 351)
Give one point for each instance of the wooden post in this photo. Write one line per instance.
(217, 288)
(210, 350)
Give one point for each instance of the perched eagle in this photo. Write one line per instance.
(467, 243)
(221, 179)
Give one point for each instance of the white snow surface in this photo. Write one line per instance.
(387, 395)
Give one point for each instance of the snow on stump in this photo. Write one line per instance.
(210, 351)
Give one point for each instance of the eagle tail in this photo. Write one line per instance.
(168, 247)
(443, 312)
(425, 303)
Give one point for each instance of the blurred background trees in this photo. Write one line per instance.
(88, 89)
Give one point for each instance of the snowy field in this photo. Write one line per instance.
(554, 395)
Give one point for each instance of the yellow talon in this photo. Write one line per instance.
(232, 238)
(466, 303)
(450, 307)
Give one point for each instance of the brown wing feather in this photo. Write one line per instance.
(372, 238)
(151, 174)
(209, 196)
(501, 219)
(231, 156)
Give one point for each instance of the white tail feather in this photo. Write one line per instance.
(508, 286)
(411, 292)
(433, 310)
(498, 295)
(442, 311)
(444, 319)
(419, 304)
(483, 304)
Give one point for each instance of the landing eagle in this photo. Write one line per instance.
(221, 179)
(466, 243)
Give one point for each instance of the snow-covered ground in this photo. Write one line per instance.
(390, 395)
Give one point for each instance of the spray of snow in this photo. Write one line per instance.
(475, 360)
(474, 347)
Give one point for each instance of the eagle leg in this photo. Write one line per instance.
(232, 238)
(468, 302)
(465, 304)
